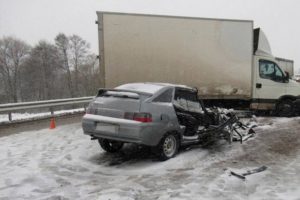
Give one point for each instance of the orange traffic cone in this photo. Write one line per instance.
(52, 123)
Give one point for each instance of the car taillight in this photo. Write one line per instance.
(141, 117)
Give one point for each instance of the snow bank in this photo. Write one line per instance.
(26, 115)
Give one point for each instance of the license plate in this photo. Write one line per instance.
(108, 128)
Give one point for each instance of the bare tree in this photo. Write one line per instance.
(90, 75)
(13, 53)
(41, 71)
(47, 71)
(63, 44)
(78, 50)
(3, 96)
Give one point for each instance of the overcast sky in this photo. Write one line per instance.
(33, 20)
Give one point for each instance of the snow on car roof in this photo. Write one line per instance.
(174, 85)
(141, 87)
(148, 87)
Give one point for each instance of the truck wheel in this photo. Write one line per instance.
(285, 108)
(110, 145)
(168, 146)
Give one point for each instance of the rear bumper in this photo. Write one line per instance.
(126, 130)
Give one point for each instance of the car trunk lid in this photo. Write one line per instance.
(115, 103)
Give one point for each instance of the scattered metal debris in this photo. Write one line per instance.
(231, 128)
(253, 171)
(238, 175)
(249, 172)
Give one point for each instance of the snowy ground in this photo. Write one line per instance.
(65, 164)
(26, 115)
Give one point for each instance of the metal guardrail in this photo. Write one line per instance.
(11, 107)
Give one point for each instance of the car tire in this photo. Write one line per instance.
(168, 146)
(285, 108)
(110, 146)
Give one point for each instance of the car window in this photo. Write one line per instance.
(269, 70)
(187, 100)
(179, 100)
(193, 103)
(165, 97)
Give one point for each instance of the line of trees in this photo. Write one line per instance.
(62, 69)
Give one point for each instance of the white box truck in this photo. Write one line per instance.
(227, 60)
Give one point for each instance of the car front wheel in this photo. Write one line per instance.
(110, 145)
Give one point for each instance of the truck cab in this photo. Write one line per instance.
(272, 87)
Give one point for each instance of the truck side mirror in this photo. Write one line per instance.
(287, 76)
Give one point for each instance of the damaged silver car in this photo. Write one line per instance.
(162, 116)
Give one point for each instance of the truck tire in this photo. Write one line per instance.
(285, 108)
(168, 146)
(110, 145)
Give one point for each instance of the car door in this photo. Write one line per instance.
(188, 110)
(270, 84)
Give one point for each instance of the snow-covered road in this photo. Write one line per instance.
(65, 164)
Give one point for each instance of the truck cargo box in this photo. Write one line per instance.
(214, 55)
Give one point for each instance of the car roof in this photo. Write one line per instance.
(150, 87)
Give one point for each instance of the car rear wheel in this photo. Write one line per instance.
(110, 146)
(168, 146)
